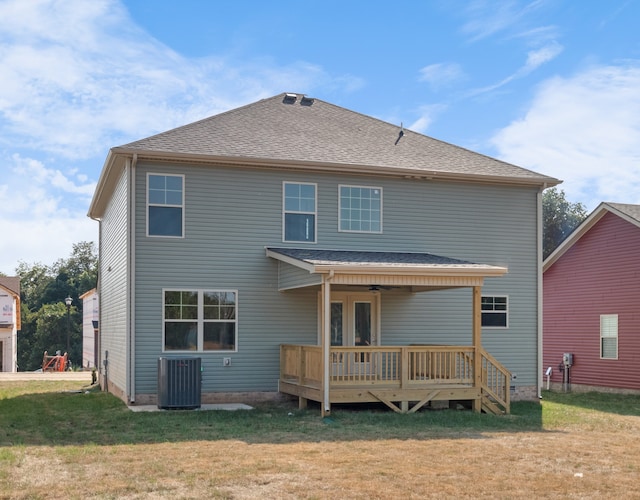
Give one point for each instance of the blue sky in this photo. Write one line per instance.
(550, 85)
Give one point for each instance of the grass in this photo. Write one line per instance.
(62, 439)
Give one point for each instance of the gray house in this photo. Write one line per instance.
(294, 246)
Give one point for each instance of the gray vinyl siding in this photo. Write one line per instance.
(232, 214)
(113, 285)
(294, 277)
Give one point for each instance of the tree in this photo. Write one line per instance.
(43, 311)
(559, 218)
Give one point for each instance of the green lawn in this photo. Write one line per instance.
(52, 428)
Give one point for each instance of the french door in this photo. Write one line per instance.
(354, 319)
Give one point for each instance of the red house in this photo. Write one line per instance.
(591, 294)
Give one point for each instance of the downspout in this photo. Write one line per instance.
(326, 342)
(539, 237)
(131, 288)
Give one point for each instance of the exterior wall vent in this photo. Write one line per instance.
(179, 383)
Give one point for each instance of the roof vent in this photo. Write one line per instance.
(306, 101)
(289, 98)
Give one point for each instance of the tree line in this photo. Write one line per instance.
(45, 323)
(43, 290)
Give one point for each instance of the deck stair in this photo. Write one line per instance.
(495, 385)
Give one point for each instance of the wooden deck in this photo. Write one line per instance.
(405, 378)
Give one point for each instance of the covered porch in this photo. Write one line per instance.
(404, 377)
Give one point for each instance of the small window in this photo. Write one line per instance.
(360, 209)
(165, 205)
(494, 312)
(609, 336)
(299, 212)
(200, 320)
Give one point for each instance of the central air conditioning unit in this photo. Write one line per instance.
(179, 383)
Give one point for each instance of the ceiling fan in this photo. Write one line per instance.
(377, 288)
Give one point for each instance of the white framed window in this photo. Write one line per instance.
(165, 205)
(495, 311)
(609, 336)
(299, 211)
(360, 209)
(200, 320)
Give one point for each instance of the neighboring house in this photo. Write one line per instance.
(592, 302)
(9, 322)
(90, 318)
(296, 246)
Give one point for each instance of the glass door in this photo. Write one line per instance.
(354, 319)
(354, 323)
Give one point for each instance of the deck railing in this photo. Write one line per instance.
(397, 367)
(496, 384)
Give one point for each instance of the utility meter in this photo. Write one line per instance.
(567, 359)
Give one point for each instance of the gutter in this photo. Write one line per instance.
(409, 173)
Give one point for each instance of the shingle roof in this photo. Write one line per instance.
(632, 211)
(11, 283)
(399, 260)
(350, 257)
(301, 130)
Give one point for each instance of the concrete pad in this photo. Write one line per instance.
(83, 376)
(205, 407)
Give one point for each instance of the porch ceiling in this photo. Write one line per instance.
(417, 270)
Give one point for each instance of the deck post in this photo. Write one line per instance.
(477, 345)
(326, 344)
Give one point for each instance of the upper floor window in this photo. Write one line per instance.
(299, 212)
(494, 312)
(360, 209)
(165, 205)
(609, 336)
(200, 320)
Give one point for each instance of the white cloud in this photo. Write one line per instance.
(536, 58)
(44, 240)
(427, 115)
(43, 212)
(441, 74)
(31, 190)
(584, 130)
(487, 17)
(78, 76)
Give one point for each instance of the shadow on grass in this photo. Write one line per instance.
(93, 417)
(619, 404)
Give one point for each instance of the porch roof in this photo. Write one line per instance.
(386, 268)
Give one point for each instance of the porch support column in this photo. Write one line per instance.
(326, 343)
(477, 344)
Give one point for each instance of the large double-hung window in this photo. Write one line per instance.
(165, 205)
(299, 212)
(200, 320)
